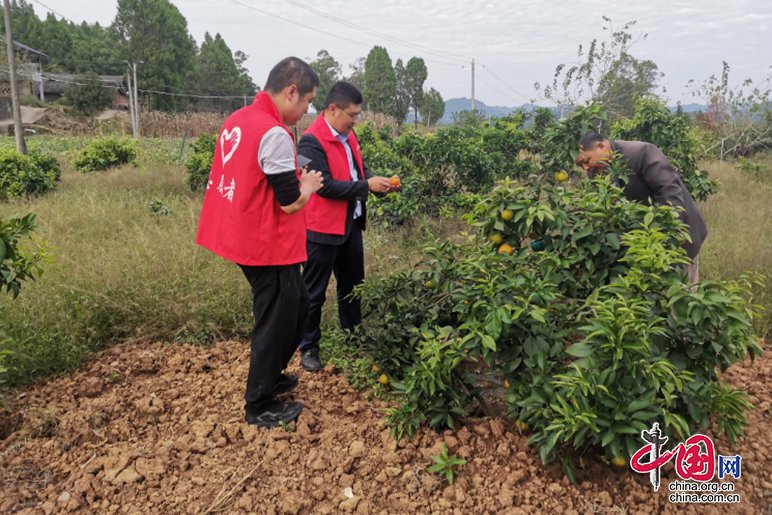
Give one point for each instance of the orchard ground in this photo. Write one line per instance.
(155, 424)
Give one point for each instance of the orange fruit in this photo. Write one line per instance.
(561, 176)
(506, 248)
(395, 181)
(522, 425)
(507, 215)
(384, 380)
(506, 383)
(496, 238)
(375, 367)
(619, 461)
(431, 285)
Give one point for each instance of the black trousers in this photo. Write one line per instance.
(347, 261)
(280, 307)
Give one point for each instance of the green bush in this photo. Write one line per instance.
(24, 175)
(17, 264)
(586, 314)
(87, 94)
(199, 165)
(104, 153)
(758, 172)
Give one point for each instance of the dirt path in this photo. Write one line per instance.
(155, 429)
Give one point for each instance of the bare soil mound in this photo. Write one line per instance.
(158, 429)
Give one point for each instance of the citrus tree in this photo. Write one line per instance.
(577, 298)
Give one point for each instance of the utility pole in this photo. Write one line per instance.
(21, 147)
(472, 84)
(136, 104)
(133, 98)
(131, 109)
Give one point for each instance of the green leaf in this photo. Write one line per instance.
(613, 241)
(488, 342)
(580, 350)
(536, 315)
(637, 405)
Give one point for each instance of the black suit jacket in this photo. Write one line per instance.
(654, 178)
(352, 191)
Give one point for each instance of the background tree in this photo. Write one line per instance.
(154, 31)
(380, 81)
(415, 76)
(432, 107)
(219, 74)
(357, 77)
(239, 58)
(88, 94)
(329, 72)
(607, 74)
(739, 118)
(401, 93)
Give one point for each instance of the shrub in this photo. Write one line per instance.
(103, 153)
(87, 94)
(754, 171)
(587, 316)
(24, 175)
(199, 165)
(17, 264)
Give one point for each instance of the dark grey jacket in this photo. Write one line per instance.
(653, 178)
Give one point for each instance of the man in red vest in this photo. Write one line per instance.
(252, 216)
(336, 216)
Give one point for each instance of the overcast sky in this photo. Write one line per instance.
(521, 42)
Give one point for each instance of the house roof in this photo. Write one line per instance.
(27, 49)
(56, 82)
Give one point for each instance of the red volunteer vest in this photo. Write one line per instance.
(323, 215)
(241, 219)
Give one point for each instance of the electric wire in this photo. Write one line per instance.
(60, 15)
(415, 46)
(268, 13)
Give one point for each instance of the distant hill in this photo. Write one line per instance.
(455, 105)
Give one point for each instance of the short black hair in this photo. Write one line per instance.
(590, 140)
(292, 71)
(343, 94)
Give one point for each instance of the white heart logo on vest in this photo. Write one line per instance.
(234, 137)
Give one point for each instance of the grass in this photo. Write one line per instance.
(739, 222)
(151, 150)
(123, 272)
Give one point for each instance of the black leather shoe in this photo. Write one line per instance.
(276, 413)
(309, 360)
(285, 384)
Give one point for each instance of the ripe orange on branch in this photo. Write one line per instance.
(507, 215)
(506, 248)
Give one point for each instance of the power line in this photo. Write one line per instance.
(494, 89)
(60, 15)
(352, 25)
(267, 13)
(487, 68)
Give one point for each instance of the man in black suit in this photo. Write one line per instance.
(653, 178)
(336, 215)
